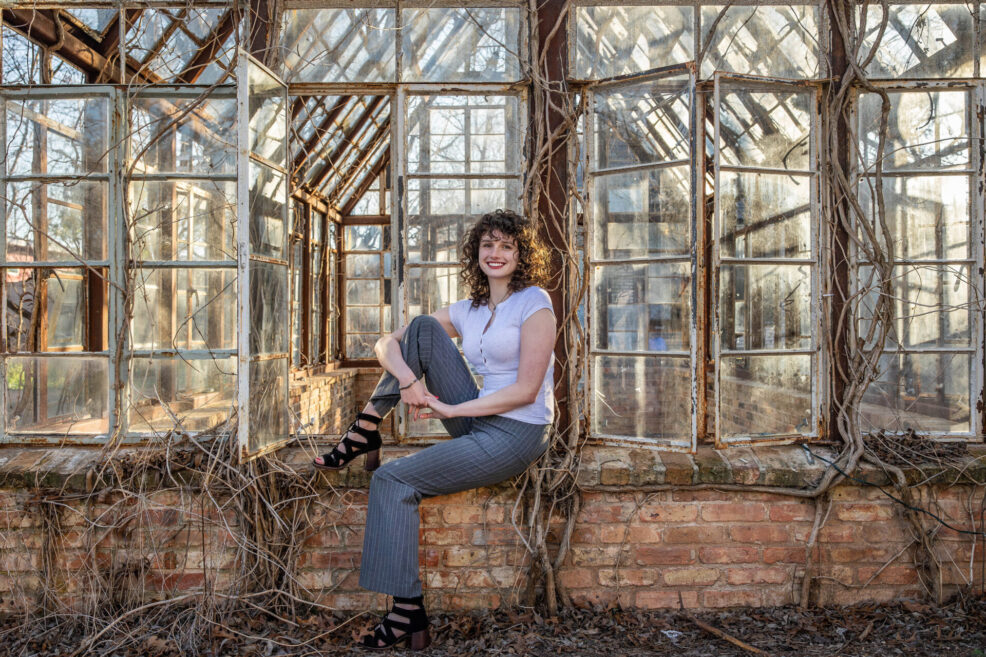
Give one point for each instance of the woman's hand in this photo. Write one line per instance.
(437, 410)
(415, 396)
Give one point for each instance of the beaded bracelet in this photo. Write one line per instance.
(409, 385)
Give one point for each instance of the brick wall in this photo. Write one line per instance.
(714, 548)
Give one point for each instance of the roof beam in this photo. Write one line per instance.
(344, 145)
(366, 183)
(39, 26)
(208, 51)
(351, 175)
(319, 133)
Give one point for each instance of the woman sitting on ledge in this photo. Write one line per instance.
(508, 335)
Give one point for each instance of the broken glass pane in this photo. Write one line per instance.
(745, 382)
(63, 395)
(268, 117)
(926, 129)
(367, 238)
(641, 124)
(773, 41)
(63, 137)
(927, 216)
(766, 128)
(643, 307)
(56, 221)
(180, 394)
(924, 392)
(642, 213)
(184, 309)
(62, 329)
(203, 140)
(920, 41)
(339, 45)
(183, 220)
(464, 134)
(612, 41)
(765, 306)
(21, 59)
(642, 397)
(164, 41)
(95, 19)
(764, 215)
(462, 44)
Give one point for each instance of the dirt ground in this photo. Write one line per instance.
(906, 628)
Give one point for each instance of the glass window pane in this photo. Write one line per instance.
(462, 44)
(203, 141)
(163, 51)
(642, 397)
(931, 305)
(180, 394)
(920, 41)
(64, 325)
(612, 41)
(183, 220)
(464, 134)
(268, 205)
(643, 307)
(765, 395)
(642, 124)
(56, 221)
(925, 130)
(367, 238)
(94, 19)
(61, 396)
(777, 41)
(363, 266)
(339, 45)
(363, 292)
(923, 392)
(432, 288)
(928, 216)
(764, 215)
(643, 213)
(268, 117)
(363, 320)
(67, 311)
(269, 330)
(268, 404)
(765, 128)
(184, 309)
(63, 137)
(765, 306)
(360, 346)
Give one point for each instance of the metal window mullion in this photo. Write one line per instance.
(770, 171)
(819, 391)
(242, 251)
(978, 230)
(714, 287)
(647, 166)
(398, 206)
(3, 257)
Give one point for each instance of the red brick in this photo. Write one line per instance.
(577, 578)
(470, 556)
(854, 554)
(627, 577)
(764, 533)
(902, 575)
(835, 532)
(613, 533)
(594, 556)
(471, 515)
(602, 513)
(651, 555)
(669, 513)
(443, 536)
(334, 559)
(728, 555)
(741, 576)
(700, 534)
(863, 512)
(691, 576)
(666, 599)
(731, 598)
(791, 512)
(733, 512)
(783, 555)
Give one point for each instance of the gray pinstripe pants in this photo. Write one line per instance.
(486, 450)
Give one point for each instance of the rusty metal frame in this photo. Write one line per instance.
(687, 443)
(816, 376)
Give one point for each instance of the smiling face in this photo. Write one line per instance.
(498, 256)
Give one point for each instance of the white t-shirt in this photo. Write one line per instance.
(495, 354)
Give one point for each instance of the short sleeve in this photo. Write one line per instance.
(457, 313)
(537, 299)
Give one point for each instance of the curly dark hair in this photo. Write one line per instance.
(532, 256)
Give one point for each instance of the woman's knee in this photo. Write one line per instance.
(423, 323)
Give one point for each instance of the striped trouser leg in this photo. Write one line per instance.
(496, 448)
(430, 352)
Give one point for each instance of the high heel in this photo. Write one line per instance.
(414, 630)
(337, 459)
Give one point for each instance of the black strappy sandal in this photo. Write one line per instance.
(415, 629)
(337, 459)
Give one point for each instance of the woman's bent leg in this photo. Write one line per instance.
(496, 449)
(430, 352)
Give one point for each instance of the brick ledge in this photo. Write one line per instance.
(72, 468)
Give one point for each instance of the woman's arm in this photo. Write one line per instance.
(537, 341)
(388, 352)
